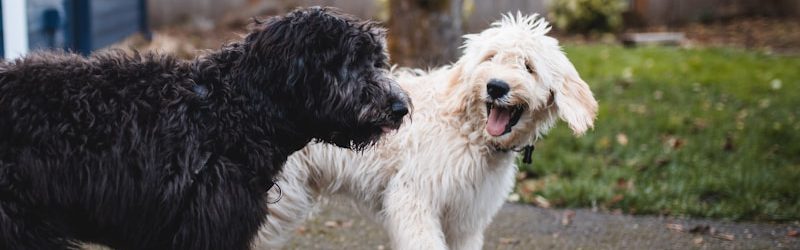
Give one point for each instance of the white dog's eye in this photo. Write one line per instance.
(489, 57)
(529, 68)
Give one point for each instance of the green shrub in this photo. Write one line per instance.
(587, 15)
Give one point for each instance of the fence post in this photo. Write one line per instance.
(79, 29)
(2, 44)
(15, 28)
(144, 26)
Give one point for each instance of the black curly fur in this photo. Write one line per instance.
(145, 151)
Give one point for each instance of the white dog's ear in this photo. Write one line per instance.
(575, 103)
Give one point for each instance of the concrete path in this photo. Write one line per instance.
(527, 227)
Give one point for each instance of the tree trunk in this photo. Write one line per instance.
(424, 33)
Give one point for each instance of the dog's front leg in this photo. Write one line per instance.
(222, 216)
(471, 240)
(464, 228)
(411, 220)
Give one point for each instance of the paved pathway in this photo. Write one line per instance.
(527, 227)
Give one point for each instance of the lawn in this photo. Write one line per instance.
(698, 132)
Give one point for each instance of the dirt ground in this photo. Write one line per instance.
(517, 226)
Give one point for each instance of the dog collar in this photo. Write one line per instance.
(527, 152)
(273, 183)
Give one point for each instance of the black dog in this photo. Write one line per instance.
(149, 152)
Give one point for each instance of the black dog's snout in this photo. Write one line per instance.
(497, 88)
(399, 109)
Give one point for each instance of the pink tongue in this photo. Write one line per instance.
(498, 119)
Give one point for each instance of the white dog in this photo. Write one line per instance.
(437, 183)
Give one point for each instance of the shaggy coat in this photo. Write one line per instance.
(437, 183)
(150, 152)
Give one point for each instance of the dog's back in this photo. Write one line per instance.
(99, 108)
(83, 134)
(61, 93)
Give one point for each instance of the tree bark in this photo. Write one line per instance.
(425, 33)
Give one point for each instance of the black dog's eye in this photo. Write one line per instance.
(366, 96)
(379, 65)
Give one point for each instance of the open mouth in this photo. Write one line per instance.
(389, 127)
(502, 118)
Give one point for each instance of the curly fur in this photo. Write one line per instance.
(145, 151)
(437, 183)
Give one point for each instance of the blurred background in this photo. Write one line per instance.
(699, 121)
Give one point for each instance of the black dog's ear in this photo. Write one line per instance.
(284, 44)
(304, 50)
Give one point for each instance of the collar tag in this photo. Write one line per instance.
(527, 152)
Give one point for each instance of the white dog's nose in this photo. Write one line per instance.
(497, 88)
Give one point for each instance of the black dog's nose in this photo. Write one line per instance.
(399, 109)
(497, 88)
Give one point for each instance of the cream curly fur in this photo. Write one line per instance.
(439, 180)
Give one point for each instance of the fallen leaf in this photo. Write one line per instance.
(529, 186)
(624, 184)
(381, 247)
(700, 124)
(637, 108)
(622, 139)
(513, 197)
(728, 237)
(698, 240)
(728, 146)
(347, 224)
(662, 161)
(775, 84)
(674, 142)
(700, 229)
(614, 200)
(508, 241)
(541, 202)
(566, 218)
(675, 227)
(792, 233)
(300, 230)
(522, 175)
(332, 224)
(627, 73)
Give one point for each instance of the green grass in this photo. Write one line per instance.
(698, 132)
